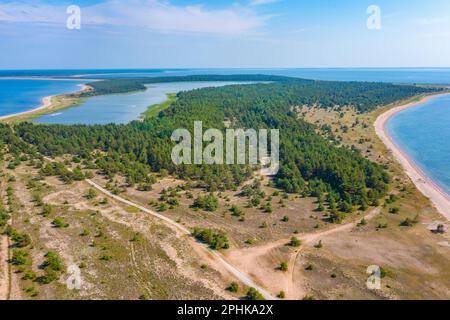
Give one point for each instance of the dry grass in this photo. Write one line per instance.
(112, 245)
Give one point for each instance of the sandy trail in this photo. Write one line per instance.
(5, 274)
(425, 184)
(4, 268)
(218, 257)
(254, 260)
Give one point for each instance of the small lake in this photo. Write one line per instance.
(424, 133)
(122, 108)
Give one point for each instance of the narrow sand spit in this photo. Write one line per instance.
(45, 104)
(425, 184)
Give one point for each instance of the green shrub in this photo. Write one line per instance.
(91, 194)
(19, 257)
(52, 262)
(215, 239)
(295, 242)
(409, 222)
(253, 294)
(234, 287)
(21, 240)
(236, 211)
(207, 203)
(283, 267)
(59, 223)
(394, 210)
(106, 257)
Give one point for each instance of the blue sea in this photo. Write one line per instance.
(23, 95)
(396, 75)
(424, 133)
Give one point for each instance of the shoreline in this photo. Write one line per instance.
(46, 103)
(426, 185)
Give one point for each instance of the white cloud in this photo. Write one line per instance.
(158, 15)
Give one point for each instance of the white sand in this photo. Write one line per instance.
(425, 184)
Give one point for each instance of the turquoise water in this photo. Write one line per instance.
(424, 133)
(23, 95)
(122, 108)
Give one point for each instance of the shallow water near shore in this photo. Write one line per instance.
(122, 108)
(423, 132)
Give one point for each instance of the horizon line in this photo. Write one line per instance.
(217, 68)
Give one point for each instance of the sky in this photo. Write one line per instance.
(224, 34)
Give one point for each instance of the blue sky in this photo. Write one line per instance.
(219, 33)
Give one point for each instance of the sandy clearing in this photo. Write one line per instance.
(260, 261)
(425, 184)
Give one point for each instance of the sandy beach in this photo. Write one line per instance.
(425, 184)
(46, 103)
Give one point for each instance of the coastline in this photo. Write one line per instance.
(46, 104)
(421, 180)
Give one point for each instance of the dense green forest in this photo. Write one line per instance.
(364, 96)
(310, 165)
(10, 141)
(123, 85)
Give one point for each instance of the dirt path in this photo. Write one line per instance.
(241, 276)
(5, 272)
(5, 281)
(308, 238)
(238, 262)
(260, 261)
